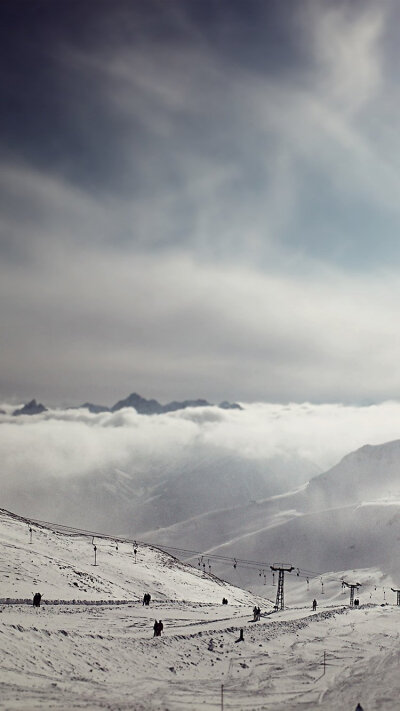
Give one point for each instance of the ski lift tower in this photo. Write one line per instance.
(352, 586)
(281, 568)
(398, 596)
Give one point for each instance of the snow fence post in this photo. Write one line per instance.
(222, 697)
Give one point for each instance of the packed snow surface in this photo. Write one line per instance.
(91, 654)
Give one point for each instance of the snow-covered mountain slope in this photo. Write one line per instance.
(62, 566)
(73, 654)
(369, 473)
(348, 537)
(348, 517)
(154, 492)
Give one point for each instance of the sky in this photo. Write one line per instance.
(199, 199)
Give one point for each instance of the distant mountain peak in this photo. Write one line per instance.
(153, 407)
(31, 408)
(135, 401)
(140, 404)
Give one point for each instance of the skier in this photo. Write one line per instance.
(314, 605)
(36, 599)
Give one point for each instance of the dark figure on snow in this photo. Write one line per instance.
(314, 605)
(36, 599)
(255, 612)
(224, 601)
(158, 628)
(359, 707)
(146, 599)
(241, 638)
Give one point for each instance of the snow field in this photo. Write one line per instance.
(61, 566)
(62, 657)
(97, 656)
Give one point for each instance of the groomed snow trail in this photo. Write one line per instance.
(103, 657)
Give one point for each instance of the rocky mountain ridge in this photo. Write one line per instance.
(137, 402)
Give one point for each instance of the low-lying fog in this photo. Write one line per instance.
(101, 470)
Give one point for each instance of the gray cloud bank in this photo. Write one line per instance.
(124, 472)
(202, 210)
(185, 329)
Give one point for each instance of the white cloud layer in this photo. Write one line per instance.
(75, 443)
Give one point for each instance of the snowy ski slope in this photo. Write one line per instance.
(94, 655)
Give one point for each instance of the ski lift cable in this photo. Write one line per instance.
(243, 562)
(73, 530)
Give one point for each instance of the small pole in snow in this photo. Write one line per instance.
(222, 697)
(95, 554)
(30, 533)
(398, 596)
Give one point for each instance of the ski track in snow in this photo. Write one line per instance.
(94, 656)
(105, 658)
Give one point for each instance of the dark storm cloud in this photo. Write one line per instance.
(209, 112)
(191, 198)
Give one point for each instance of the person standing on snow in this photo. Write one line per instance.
(36, 599)
(158, 628)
